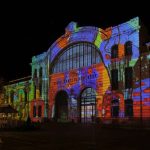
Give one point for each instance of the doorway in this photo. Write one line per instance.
(88, 105)
(61, 106)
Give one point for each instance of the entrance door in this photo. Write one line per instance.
(88, 105)
(61, 106)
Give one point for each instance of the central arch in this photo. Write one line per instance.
(88, 105)
(61, 106)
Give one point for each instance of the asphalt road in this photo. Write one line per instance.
(76, 137)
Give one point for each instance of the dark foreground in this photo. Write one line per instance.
(76, 137)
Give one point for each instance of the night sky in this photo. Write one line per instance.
(28, 30)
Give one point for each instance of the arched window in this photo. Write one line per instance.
(128, 48)
(114, 51)
(77, 56)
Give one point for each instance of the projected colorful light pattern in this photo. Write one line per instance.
(97, 76)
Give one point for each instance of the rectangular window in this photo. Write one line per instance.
(35, 73)
(35, 90)
(128, 77)
(129, 108)
(114, 51)
(39, 111)
(34, 111)
(115, 108)
(25, 96)
(114, 77)
(40, 88)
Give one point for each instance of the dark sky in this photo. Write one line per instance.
(28, 30)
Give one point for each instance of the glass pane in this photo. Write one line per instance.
(88, 103)
(76, 56)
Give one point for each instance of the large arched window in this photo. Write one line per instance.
(77, 56)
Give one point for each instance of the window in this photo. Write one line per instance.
(35, 73)
(34, 111)
(39, 111)
(40, 88)
(25, 95)
(40, 72)
(128, 48)
(129, 108)
(114, 78)
(40, 81)
(12, 96)
(77, 56)
(34, 91)
(128, 77)
(114, 51)
(115, 108)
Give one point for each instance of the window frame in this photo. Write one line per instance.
(76, 53)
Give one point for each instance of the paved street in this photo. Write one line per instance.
(75, 137)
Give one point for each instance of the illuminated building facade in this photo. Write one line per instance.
(91, 73)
